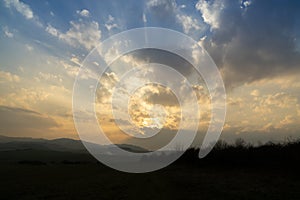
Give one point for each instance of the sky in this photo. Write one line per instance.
(255, 45)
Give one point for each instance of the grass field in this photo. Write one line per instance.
(40, 174)
(92, 181)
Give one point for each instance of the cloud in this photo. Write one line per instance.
(188, 23)
(168, 14)
(106, 84)
(160, 95)
(211, 11)
(281, 100)
(81, 34)
(83, 13)
(19, 121)
(252, 41)
(7, 32)
(289, 83)
(144, 56)
(86, 34)
(254, 93)
(154, 109)
(71, 70)
(49, 77)
(21, 7)
(75, 60)
(51, 30)
(272, 106)
(246, 3)
(8, 77)
(162, 7)
(235, 102)
(25, 97)
(110, 23)
(29, 47)
(286, 121)
(267, 110)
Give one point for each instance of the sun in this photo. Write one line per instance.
(155, 122)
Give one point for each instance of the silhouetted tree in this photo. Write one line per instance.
(240, 143)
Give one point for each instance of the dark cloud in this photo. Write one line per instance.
(19, 121)
(165, 58)
(256, 41)
(162, 12)
(18, 110)
(163, 97)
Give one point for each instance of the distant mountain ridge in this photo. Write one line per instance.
(60, 144)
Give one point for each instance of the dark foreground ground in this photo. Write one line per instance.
(269, 172)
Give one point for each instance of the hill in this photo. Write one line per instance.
(61, 144)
